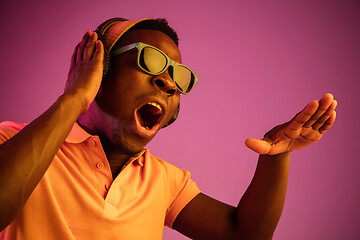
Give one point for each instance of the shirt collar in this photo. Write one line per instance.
(140, 157)
(78, 135)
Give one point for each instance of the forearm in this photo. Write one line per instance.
(261, 206)
(25, 157)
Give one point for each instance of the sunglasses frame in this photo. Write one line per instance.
(169, 62)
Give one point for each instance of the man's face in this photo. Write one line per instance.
(133, 105)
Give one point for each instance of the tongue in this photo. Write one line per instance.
(150, 115)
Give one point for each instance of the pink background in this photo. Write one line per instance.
(259, 62)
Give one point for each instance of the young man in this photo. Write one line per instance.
(80, 170)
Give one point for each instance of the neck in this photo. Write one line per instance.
(117, 158)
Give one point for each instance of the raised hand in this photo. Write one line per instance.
(86, 68)
(307, 127)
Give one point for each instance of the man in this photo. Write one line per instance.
(80, 171)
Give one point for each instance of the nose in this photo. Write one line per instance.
(165, 83)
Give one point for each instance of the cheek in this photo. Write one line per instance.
(119, 80)
(125, 76)
(174, 106)
(111, 97)
(123, 65)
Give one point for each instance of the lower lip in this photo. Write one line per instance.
(141, 130)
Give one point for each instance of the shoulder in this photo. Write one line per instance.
(8, 129)
(174, 177)
(177, 183)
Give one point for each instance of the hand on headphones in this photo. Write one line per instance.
(86, 69)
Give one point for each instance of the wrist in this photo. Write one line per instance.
(74, 102)
(277, 159)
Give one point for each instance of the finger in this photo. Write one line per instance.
(320, 122)
(259, 146)
(328, 124)
(73, 57)
(324, 104)
(302, 117)
(79, 54)
(90, 46)
(99, 51)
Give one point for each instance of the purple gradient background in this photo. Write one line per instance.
(259, 63)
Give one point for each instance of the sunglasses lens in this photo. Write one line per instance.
(152, 60)
(183, 78)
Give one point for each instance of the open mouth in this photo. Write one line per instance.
(149, 115)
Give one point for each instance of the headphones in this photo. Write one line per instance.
(100, 30)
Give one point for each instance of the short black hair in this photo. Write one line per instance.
(159, 24)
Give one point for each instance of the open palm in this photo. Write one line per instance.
(307, 127)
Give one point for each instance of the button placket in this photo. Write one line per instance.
(92, 143)
(99, 165)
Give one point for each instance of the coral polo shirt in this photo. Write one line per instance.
(77, 197)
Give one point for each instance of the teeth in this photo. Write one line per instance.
(155, 105)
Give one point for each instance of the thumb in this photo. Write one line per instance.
(259, 146)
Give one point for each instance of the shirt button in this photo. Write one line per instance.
(99, 165)
(92, 143)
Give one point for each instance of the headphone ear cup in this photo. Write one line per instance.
(106, 63)
(100, 31)
(174, 117)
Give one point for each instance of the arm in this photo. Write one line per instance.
(25, 157)
(259, 210)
